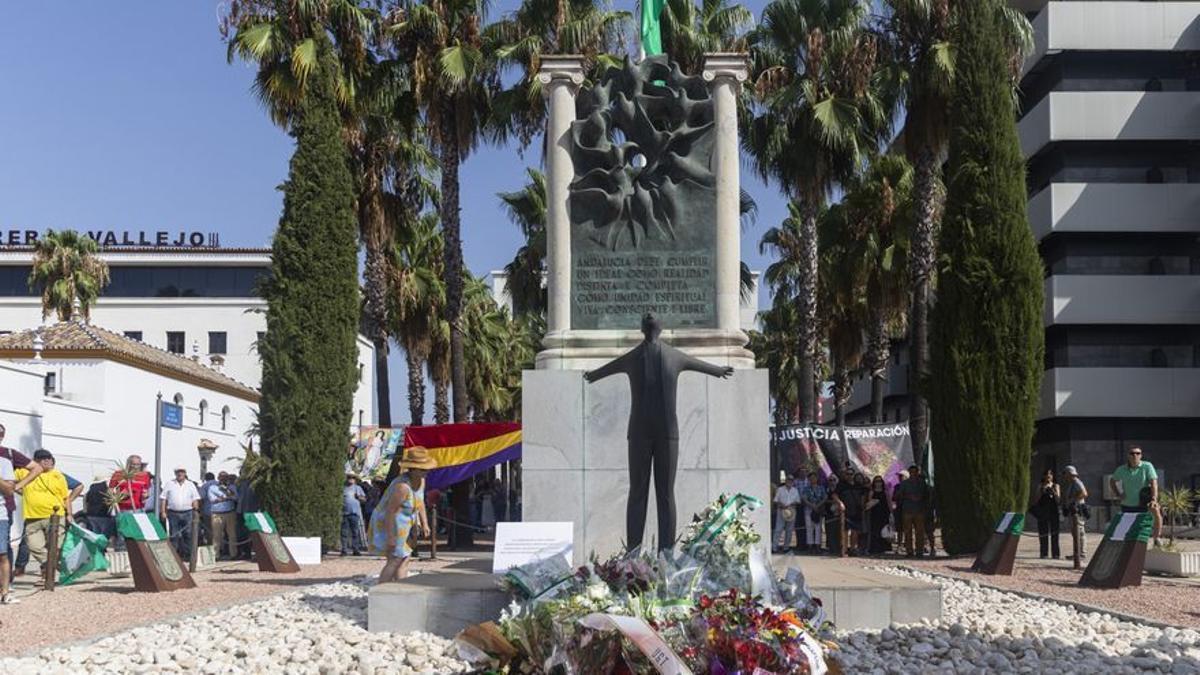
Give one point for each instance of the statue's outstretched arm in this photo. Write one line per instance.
(613, 367)
(692, 363)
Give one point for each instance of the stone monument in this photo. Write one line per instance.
(643, 195)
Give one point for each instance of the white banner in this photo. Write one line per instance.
(647, 640)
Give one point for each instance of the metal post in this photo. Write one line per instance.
(842, 531)
(157, 451)
(433, 532)
(195, 540)
(51, 553)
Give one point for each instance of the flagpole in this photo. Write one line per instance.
(157, 451)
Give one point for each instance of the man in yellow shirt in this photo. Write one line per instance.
(43, 495)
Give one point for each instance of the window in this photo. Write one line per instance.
(225, 418)
(216, 342)
(175, 342)
(203, 411)
(51, 384)
(134, 335)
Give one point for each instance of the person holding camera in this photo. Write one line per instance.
(1047, 499)
(1075, 507)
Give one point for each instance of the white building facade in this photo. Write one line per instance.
(192, 301)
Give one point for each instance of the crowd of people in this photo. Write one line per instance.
(814, 507)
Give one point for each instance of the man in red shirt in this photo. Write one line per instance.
(133, 483)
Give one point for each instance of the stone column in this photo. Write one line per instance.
(725, 73)
(560, 77)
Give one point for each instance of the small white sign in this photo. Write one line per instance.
(522, 543)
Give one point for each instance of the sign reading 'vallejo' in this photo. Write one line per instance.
(141, 238)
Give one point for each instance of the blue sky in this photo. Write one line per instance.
(126, 116)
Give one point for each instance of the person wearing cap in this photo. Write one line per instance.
(353, 497)
(1075, 506)
(44, 494)
(179, 501)
(402, 506)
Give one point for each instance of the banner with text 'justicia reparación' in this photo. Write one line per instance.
(872, 449)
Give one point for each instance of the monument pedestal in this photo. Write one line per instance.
(272, 554)
(575, 464)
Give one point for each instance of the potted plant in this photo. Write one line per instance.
(1176, 505)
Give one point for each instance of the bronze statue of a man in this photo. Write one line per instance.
(653, 369)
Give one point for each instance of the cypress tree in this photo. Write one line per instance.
(987, 339)
(309, 356)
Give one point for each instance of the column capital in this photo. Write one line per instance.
(560, 68)
(726, 65)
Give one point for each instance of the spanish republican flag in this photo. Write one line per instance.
(463, 450)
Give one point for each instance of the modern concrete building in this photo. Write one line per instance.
(1110, 124)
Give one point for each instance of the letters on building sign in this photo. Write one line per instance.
(115, 238)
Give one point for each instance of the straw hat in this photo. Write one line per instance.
(417, 457)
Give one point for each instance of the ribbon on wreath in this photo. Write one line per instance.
(720, 520)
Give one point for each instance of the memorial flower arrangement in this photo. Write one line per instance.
(712, 605)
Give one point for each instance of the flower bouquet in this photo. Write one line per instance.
(712, 605)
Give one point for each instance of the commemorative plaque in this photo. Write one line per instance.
(1121, 556)
(1000, 551)
(155, 564)
(271, 554)
(643, 200)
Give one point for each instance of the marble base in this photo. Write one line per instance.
(442, 602)
(574, 451)
(588, 349)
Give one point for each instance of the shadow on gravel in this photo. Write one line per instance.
(352, 609)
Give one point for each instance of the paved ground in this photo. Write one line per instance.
(102, 604)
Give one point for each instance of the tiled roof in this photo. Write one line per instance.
(74, 339)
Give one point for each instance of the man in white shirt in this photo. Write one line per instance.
(8, 481)
(180, 499)
(786, 499)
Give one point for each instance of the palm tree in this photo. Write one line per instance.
(438, 369)
(923, 36)
(454, 83)
(843, 305)
(69, 274)
(378, 114)
(820, 115)
(690, 31)
(537, 27)
(775, 350)
(417, 296)
(875, 232)
(499, 348)
(527, 210)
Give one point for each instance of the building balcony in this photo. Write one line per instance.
(1111, 26)
(1115, 207)
(1110, 116)
(1122, 299)
(1120, 392)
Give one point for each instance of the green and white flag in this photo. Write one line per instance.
(140, 526)
(259, 522)
(1011, 523)
(1130, 527)
(82, 552)
(650, 33)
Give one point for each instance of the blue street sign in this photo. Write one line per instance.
(172, 416)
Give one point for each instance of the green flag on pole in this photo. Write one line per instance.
(651, 29)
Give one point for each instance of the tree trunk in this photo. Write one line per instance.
(877, 360)
(373, 232)
(416, 388)
(924, 255)
(806, 300)
(441, 401)
(842, 388)
(452, 232)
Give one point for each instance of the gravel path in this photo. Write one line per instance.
(1161, 600)
(318, 629)
(73, 613)
(983, 630)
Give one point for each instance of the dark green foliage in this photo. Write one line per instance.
(987, 339)
(309, 355)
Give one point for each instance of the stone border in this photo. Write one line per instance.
(1079, 606)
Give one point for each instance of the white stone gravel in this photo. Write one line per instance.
(983, 630)
(317, 630)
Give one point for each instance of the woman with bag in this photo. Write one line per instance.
(878, 509)
(1045, 508)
